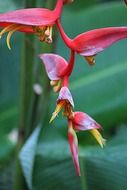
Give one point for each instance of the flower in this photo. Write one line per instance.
(57, 69)
(55, 66)
(33, 20)
(81, 122)
(65, 101)
(90, 43)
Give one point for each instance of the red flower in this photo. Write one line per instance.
(64, 101)
(33, 20)
(90, 43)
(81, 122)
(57, 69)
(54, 65)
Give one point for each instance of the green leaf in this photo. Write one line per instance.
(101, 168)
(27, 156)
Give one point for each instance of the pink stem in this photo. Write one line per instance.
(68, 70)
(58, 8)
(65, 38)
(65, 81)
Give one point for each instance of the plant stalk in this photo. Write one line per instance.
(26, 94)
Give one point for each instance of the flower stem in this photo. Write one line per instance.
(68, 70)
(65, 38)
(58, 8)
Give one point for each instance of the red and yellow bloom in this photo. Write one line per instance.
(64, 101)
(80, 121)
(90, 43)
(33, 20)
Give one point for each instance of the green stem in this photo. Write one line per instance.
(83, 174)
(25, 100)
(30, 102)
(41, 102)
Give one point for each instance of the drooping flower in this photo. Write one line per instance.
(32, 20)
(54, 65)
(90, 43)
(57, 69)
(64, 101)
(81, 122)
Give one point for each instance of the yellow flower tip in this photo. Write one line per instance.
(59, 106)
(90, 59)
(11, 29)
(8, 43)
(53, 117)
(98, 137)
(53, 82)
(56, 88)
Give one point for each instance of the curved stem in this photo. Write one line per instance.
(65, 81)
(68, 70)
(58, 8)
(65, 38)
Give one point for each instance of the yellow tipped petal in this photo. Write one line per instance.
(59, 106)
(53, 116)
(7, 29)
(98, 137)
(8, 40)
(10, 34)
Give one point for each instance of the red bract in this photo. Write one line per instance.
(64, 101)
(80, 121)
(84, 122)
(73, 142)
(33, 20)
(58, 69)
(90, 43)
(54, 65)
(95, 41)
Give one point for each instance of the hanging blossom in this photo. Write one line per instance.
(80, 121)
(40, 22)
(31, 20)
(59, 70)
(92, 42)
